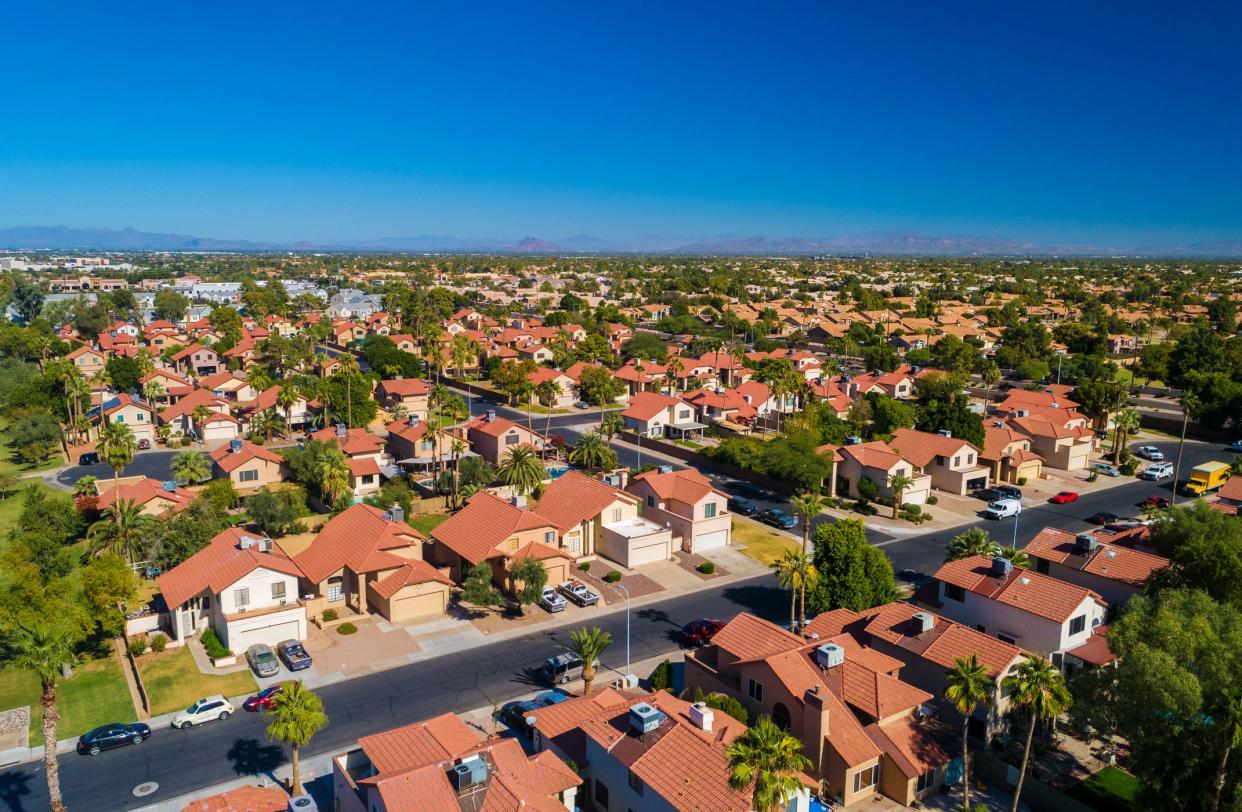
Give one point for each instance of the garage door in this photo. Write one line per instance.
(271, 635)
(648, 553)
(711, 541)
(417, 606)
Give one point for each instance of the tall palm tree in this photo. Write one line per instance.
(588, 645)
(459, 448)
(548, 392)
(199, 416)
(899, 483)
(611, 424)
(990, 373)
(119, 530)
(334, 477)
(1040, 688)
(968, 688)
(971, 542)
(117, 447)
(593, 452)
(265, 422)
(1125, 423)
(258, 377)
(190, 466)
(796, 572)
(522, 469)
(294, 717)
(46, 650)
(807, 505)
(286, 399)
(154, 390)
(767, 760)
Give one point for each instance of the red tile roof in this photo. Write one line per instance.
(575, 498)
(945, 642)
(1111, 561)
(356, 442)
(229, 460)
(686, 485)
(420, 744)
(351, 538)
(646, 405)
(142, 492)
(1029, 591)
(221, 564)
(404, 387)
(921, 447)
(475, 531)
(242, 799)
(414, 571)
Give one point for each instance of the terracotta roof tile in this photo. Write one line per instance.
(573, 498)
(350, 537)
(229, 460)
(219, 565)
(1111, 561)
(475, 531)
(242, 799)
(1029, 591)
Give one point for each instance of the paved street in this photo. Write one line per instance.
(153, 464)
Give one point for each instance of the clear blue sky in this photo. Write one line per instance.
(1082, 121)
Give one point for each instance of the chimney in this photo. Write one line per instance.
(702, 716)
(396, 513)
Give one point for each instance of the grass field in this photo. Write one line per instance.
(761, 542)
(94, 695)
(1109, 790)
(11, 505)
(9, 464)
(173, 680)
(426, 522)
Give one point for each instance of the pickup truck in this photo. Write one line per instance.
(578, 592)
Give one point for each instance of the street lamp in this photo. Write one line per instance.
(639, 435)
(619, 586)
(1013, 544)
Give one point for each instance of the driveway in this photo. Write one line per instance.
(154, 464)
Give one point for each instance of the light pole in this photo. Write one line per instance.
(619, 586)
(1181, 444)
(639, 435)
(1013, 544)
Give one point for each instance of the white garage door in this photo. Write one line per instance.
(265, 634)
(649, 553)
(711, 541)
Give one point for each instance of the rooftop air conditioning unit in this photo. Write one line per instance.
(468, 772)
(829, 655)
(1001, 567)
(666, 469)
(853, 441)
(644, 718)
(302, 803)
(922, 622)
(1085, 543)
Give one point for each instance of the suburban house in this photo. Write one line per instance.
(230, 385)
(1114, 572)
(654, 415)
(370, 561)
(125, 410)
(1037, 612)
(489, 530)
(248, 466)
(846, 703)
(413, 446)
(197, 359)
(952, 464)
(686, 502)
(154, 497)
(444, 765)
(181, 419)
(364, 452)
(242, 586)
(1008, 455)
(648, 752)
(296, 417)
(565, 386)
(898, 384)
(491, 437)
(876, 461)
(1061, 437)
(409, 393)
(88, 361)
(596, 518)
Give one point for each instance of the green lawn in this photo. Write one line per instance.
(173, 681)
(11, 505)
(1109, 790)
(761, 542)
(426, 522)
(96, 694)
(9, 464)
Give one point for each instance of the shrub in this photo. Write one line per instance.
(585, 566)
(346, 628)
(662, 676)
(867, 490)
(864, 507)
(1128, 467)
(884, 500)
(329, 615)
(729, 706)
(1093, 476)
(295, 529)
(211, 642)
(707, 568)
(612, 577)
(1021, 481)
(137, 645)
(537, 493)
(933, 499)
(186, 442)
(158, 642)
(913, 510)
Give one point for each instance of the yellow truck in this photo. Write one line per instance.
(1207, 477)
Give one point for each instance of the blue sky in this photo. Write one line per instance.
(1074, 122)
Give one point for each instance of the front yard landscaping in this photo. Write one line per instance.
(426, 522)
(1109, 790)
(173, 681)
(96, 694)
(761, 542)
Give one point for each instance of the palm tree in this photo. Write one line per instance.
(190, 466)
(153, 390)
(294, 717)
(611, 424)
(593, 452)
(86, 486)
(199, 416)
(547, 392)
(1125, 423)
(46, 650)
(117, 447)
(588, 645)
(259, 378)
(119, 530)
(1040, 688)
(990, 373)
(1015, 556)
(796, 572)
(807, 505)
(334, 477)
(459, 448)
(971, 542)
(968, 688)
(265, 422)
(767, 760)
(899, 483)
(286, 399)
(522, 469)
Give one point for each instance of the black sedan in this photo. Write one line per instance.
(294, 655)
(105, 737)
(1103, 517)
(742, 507)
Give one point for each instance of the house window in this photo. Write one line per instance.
(957, 461)
(1078, 625)
(926, 781)
(955, 593)
(754, 690)
(428, 445)
(1042, 566)
(510, 439)
(709, 510)
(368, 479)
(248, 476)
(120, 418)
(141, 417)
(549, 537)
(601, 793)
(616, 515)
(241, 597)
(635, 783)
(278, 590)
(650, 500)
(1004, 638)
(865, 779)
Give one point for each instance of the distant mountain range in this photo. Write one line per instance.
(887, 243)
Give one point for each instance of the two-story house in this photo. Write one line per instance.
(489, 530)
(411, 394)
(242, 586)
(214, 422)
(1008, 455)
(230, 385)
(248, 466)
(154, 498)
(654, 415)
(295, 417)
(198, 360)
(492, 437)
(878, 462)
(565, 387)
(1061, 437)
(126, 411)
(89, 362)
(953, 464)
(1113, 571)
(686, 502)
(363, 451)
(596, 518)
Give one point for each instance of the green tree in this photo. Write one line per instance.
(170, 305)
(529, 577)
(108, 583)
(589, 645)
(46, 649)
(647, 347)
(274, 511)
(27, 298)
(1204, 547)
(1125, 423)
(898, 483)
(852, 573)
(599, 386)
(1039, 688)
(968, 686)
(767, 761)
(1099, 399)
(333, 477)
(889, 414)
(971, 542)
(807, 505)
(522, 469)
(294, 717)
(119, 530)
(593, 452)
(117, 448)
(477, 586)
(190, 467)
(124, 373)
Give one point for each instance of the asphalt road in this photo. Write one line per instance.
(153, 464)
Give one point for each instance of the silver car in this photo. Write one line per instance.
(263, 660)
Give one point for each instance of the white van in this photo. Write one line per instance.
(1002, 508)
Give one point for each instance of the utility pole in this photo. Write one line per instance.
(1181, 444)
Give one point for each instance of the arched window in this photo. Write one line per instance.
(780, 716)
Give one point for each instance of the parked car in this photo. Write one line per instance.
(293, 654)
(582, 404)
(1150, 452)
(700, 632)
(1157, 471)
(750, 491)
(207, 709)
(117, 734)
(1063, 497)
(563, 667)
(513, 714)
(1155, 501)
(1103, 517)
(742, 507)
(986, 494)
(1002, 508)
(1106, 469)
(778, 518)
(552, 600)
(89, 458)
(578, 592)
(1008, 492)
(263, 699)
(1236, 445)
(263, 660)
(144, 444)
(914, 578)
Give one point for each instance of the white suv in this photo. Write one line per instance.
(207, 709)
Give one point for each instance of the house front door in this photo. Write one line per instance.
(336, 591)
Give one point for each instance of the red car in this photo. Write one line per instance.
(1154, 502)
(1064, 498)
(700, 632)
(262, 700)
